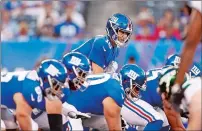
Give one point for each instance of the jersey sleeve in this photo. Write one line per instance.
(96, 54)
(116, 92)
(85, 47)
(32, 93)
(93, 49)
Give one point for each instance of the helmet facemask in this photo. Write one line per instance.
(80, 81)
(117, 35)
(134, 90)
(55, 90)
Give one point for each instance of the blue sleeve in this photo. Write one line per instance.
(85, 48)
(97, 55)
(32, 93)
(116, 92)
(93, 50)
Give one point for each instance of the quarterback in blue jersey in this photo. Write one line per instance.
(26, 90)
(103, 94)
(103, 50)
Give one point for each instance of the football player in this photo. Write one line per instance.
(40, 89)
(189, 98)
(78, 68)
(103, 50)
(193, 38)
(104, 96)
(135, 111)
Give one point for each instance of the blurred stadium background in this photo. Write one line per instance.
(34, 30)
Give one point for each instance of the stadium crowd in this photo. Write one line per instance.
(23, 20)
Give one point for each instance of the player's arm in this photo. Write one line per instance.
(96, 68)
(173, 117)
(94, 51)
(23, 112)
(193, 38)
(112, 114)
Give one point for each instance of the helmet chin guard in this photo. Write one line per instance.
(55, 90)
(80, 81)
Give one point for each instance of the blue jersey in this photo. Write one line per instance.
(99, 50)
(25, 82)
(101, 87)
(151, 95)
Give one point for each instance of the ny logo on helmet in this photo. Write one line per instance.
(133, 75)
(114, 19)
(75, 61)
(195, 70)
(53, 71)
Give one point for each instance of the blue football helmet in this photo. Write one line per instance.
(133, 79)
(119, 22)
(78, 67)
(173, 60)
(195, 70)
(52, 75)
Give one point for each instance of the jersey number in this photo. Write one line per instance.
(7, 77)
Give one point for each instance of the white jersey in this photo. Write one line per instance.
(196, 5)
(192, 87)
(139, 113)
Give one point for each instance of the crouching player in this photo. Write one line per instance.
(24, 91)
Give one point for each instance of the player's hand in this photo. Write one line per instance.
(176, 97)
(83, 115)
(77, 115)
(72, 112)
